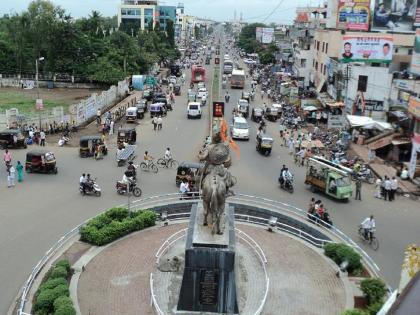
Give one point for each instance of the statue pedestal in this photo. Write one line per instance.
(208, 283)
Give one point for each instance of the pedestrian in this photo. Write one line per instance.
(311, 208)
(7, 158)
(11, 177)
(154, 121)
(358, 189)
(394, 187)
(378, 188)
(111, 127)
(291, 145)
(387, 186)
(42, 137)
(19, 169)
(159, 122)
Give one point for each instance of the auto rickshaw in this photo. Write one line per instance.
(127, 135)
(264, 143)
(141, 108)
(257, 114)
(148, 95)
(246, 96)
(157, 109)
(92, 146)
(7, 139)
(271, 113)
(188, 171)
(177, 89)
(40, 161)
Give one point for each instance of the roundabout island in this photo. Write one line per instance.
(279, 261)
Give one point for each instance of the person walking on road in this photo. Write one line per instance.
(159, 123)
(394, 187)
(19, 169)
(42, 136)
(378, 188)
(155, 122)
(7, 158)
(358, 189)
(11, 177)
(111, 127)
(387, 186)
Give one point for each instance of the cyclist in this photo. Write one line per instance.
(147, 158)
(368, 226)
(168, 155)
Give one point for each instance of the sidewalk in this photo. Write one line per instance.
(379, 168)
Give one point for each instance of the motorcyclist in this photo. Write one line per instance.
(89, 183)
(227, 97)
(281, 174)
(132, 170)
(82, 182)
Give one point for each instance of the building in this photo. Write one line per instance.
(140, 14)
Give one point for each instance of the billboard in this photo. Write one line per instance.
(417, 15)
(394, 15)
(264, 35)
(353, 15)
(367, 48)
(415, 59)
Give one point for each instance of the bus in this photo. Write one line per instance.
(198, 74)
(227, 66)
(237, 79)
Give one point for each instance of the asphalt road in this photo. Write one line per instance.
(36, 213)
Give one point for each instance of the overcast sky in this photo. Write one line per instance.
(282, 11)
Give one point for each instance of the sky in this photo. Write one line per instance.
(267, 11)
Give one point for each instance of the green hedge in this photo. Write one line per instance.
(374, 290)
(52, 296)
(114, 224)
(354, 311)
(340, 252)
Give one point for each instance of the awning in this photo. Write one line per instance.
(310, 108)
(368, 123)
(381, 143)
(400, 141)
(320, 85)
(335, 104)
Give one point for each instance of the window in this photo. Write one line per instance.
(303, 63)
(362, 83)
(148, 12)
(410, 51)
(325, 69)
(317, 46)
(323, 46)
(326, 48)
(396, 50)
(316, 65)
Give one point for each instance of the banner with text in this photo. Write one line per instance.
(415, 59)
(367, 48)
(353, 15)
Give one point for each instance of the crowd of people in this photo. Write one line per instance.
(12, 170)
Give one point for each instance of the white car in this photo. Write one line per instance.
(240, 128)
(194, 110)
(202, 92)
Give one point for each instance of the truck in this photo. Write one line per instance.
(237, 80)
(328, 177)
(198, 74)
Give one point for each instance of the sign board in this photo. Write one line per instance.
(372, 105)
(336, 121)
(264, 35)
(218, 109)
(415, 60)
(353, 15)
(414, 107)
(39, 104)
(216, 61)
(367, 48)
(393, 15)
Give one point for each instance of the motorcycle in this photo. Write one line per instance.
(288, 185)
(91, 188)
(132, 188)
(227, 97)
(365, 174)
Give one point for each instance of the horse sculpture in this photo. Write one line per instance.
(215, 188)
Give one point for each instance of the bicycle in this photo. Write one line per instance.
(151, 166)
(171, 163)
(373, 242)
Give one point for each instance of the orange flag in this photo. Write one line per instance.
(235, 148)
(223, 130)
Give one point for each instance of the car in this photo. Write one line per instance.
(201, 85)
(239, 128)
(194, 110)
(202, 92)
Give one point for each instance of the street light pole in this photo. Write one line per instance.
(37, 86)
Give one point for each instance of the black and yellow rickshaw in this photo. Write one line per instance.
(41, 161)
(264, 143)
(12, 139)
(189, 172)
(91, 146)
(271, 113)
(257, 114)
(127, 135)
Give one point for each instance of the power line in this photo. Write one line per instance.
(274, 10)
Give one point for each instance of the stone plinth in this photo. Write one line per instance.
(208, 283)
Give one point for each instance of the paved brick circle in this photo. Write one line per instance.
(116, 282)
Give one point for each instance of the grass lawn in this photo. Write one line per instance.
(25, 102)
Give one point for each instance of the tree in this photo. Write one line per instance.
(247, 38)
(170, 32)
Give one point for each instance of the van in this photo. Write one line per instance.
(194, 110)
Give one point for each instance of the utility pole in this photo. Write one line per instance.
(37, 86)
(347, 76)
